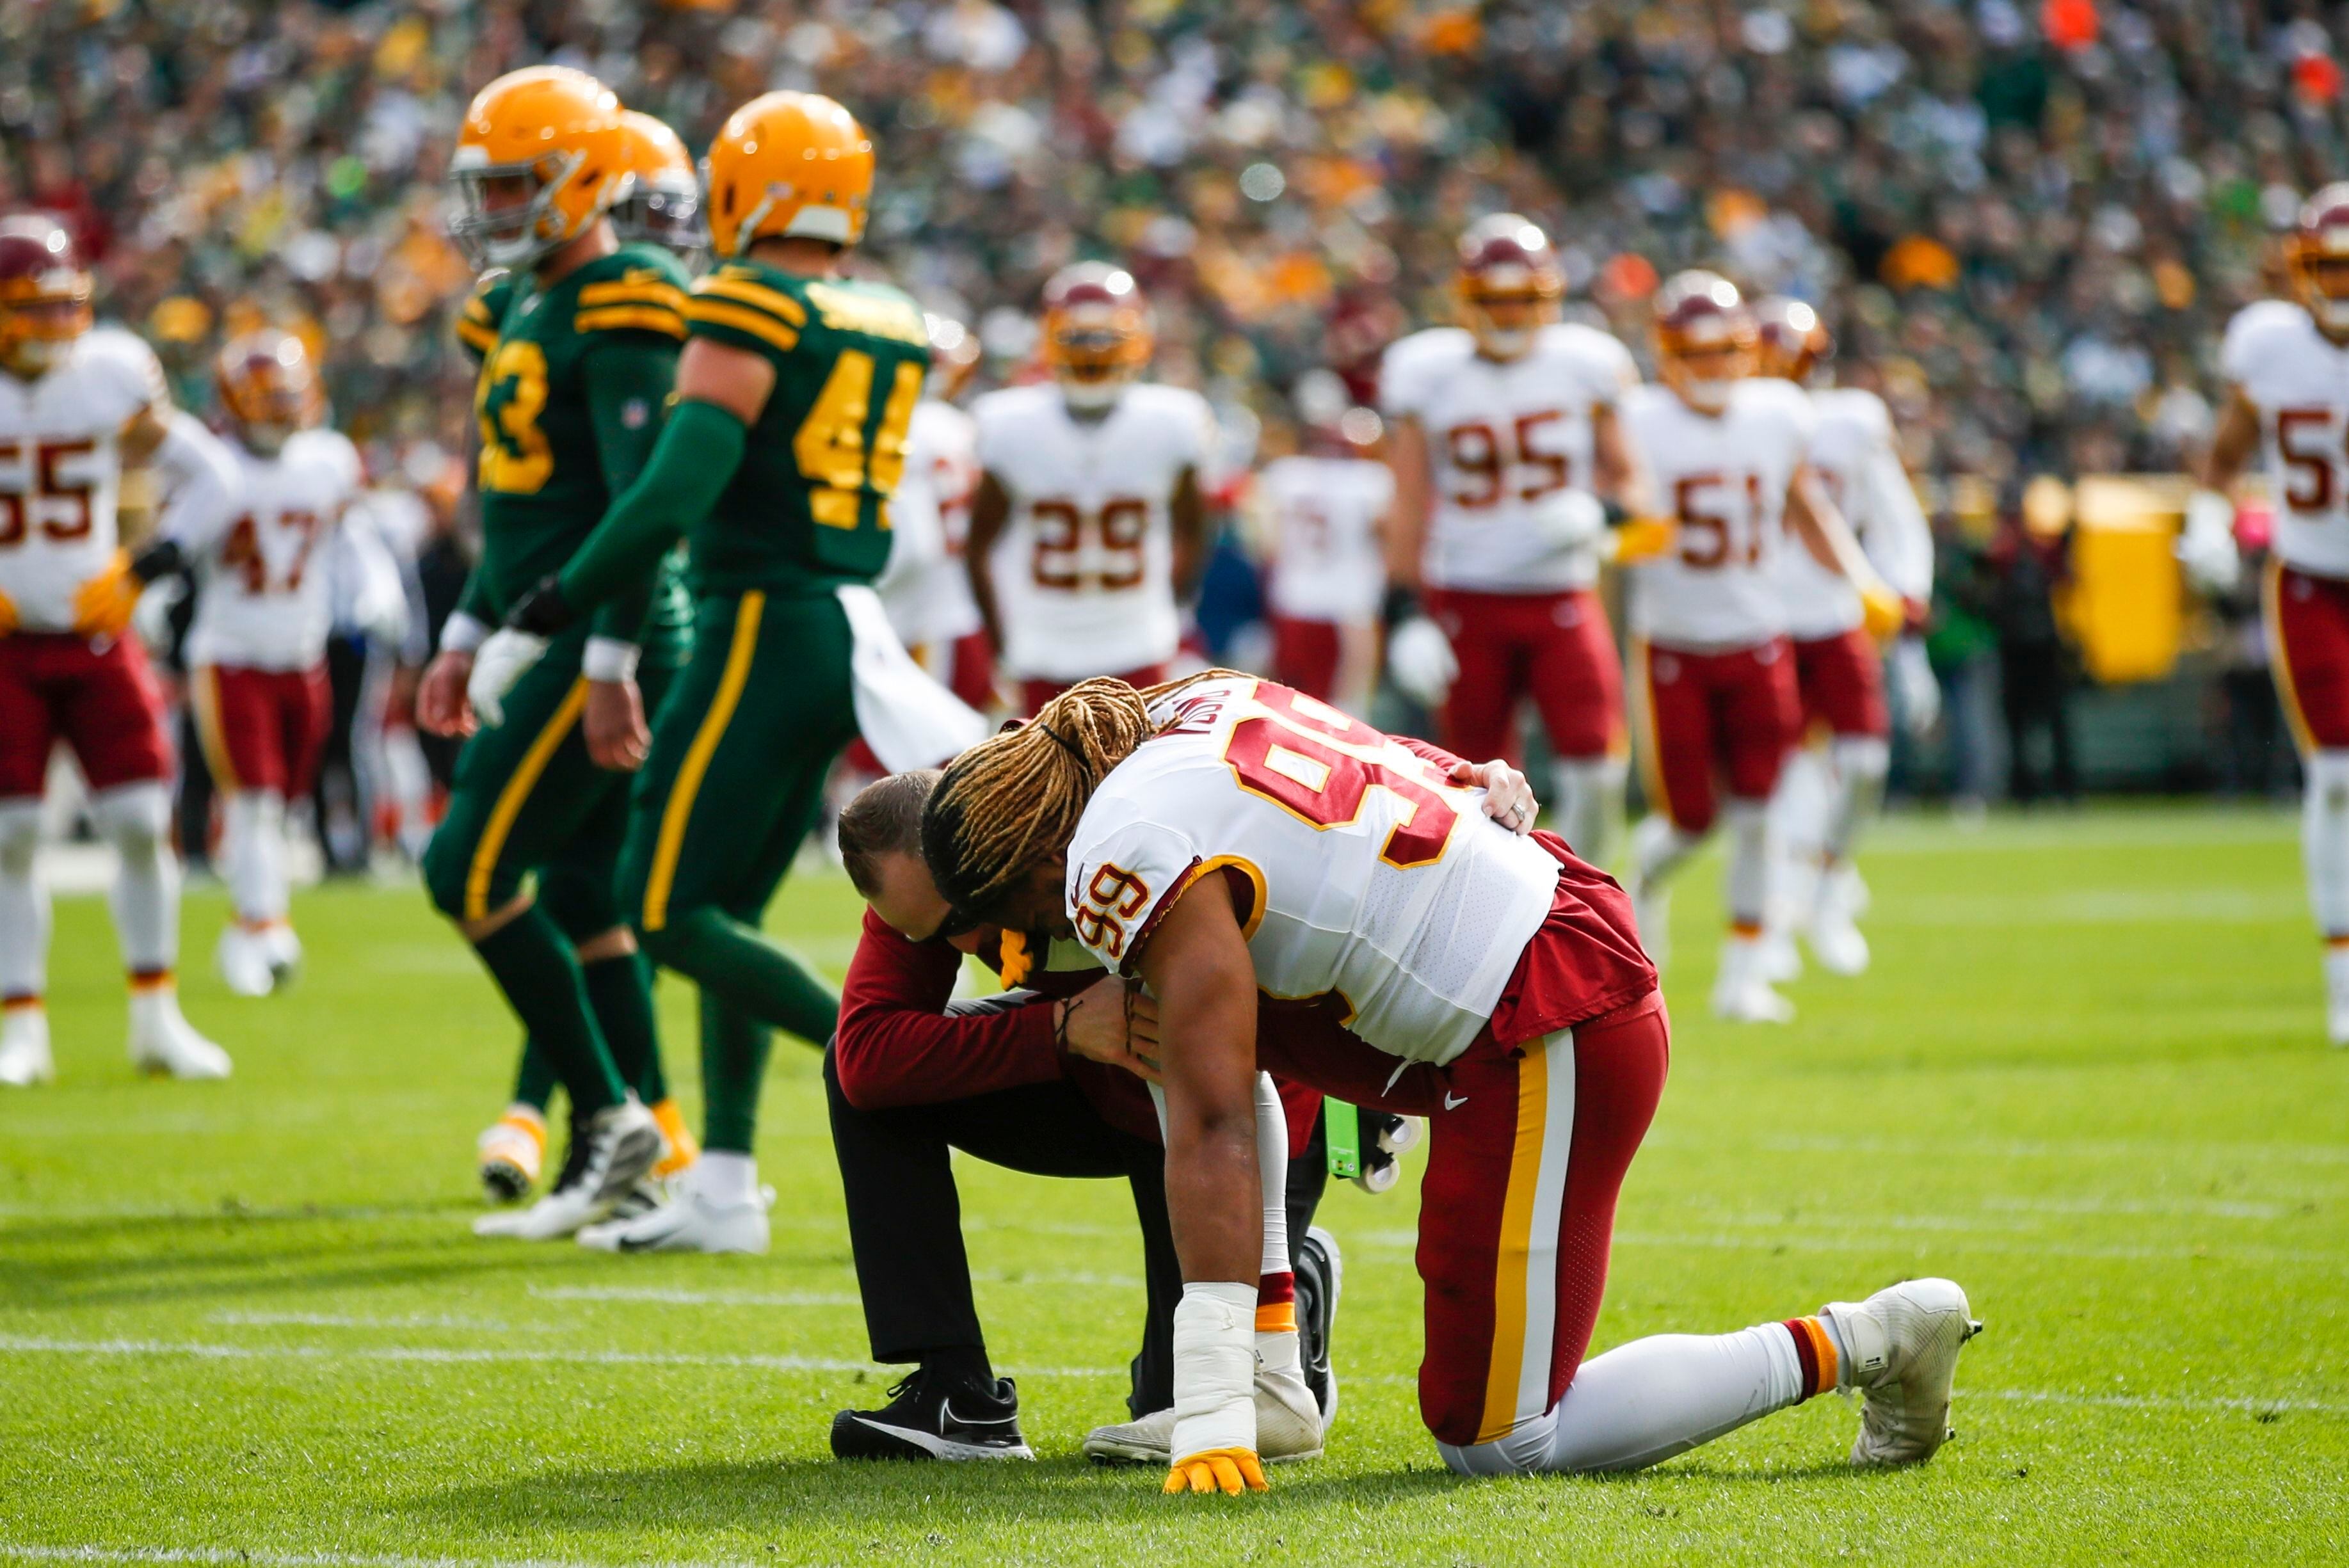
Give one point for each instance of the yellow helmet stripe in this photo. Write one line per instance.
(653, 318)
(632, 291)
(728, 283)
(717, 312)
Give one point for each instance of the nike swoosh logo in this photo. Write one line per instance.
(946, 1411)
(1453, 1102)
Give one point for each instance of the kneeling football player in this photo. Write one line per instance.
(1223, 835)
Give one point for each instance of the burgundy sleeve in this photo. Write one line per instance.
(1430, 750)
(898, 1046)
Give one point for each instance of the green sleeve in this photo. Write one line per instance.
(475, 600)
(699, 448)
(628, 378)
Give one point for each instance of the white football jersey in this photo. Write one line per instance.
(2298, 379)
(61, 471)
(264, 597)
(1374, 879)
(1327, 561)
(926, 590)
(1723, 478)
(1853, 453)
(1084, 573)
(1499, 439)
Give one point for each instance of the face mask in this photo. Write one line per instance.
(1092, 397)
(38, 355)
(265, 440)
(1512, 343)
(1706, 393)
(2333, 313)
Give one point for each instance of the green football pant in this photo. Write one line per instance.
(733, 785)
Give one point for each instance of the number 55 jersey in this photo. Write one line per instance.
(1372, 882)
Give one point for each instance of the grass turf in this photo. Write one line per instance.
(2086, 1078)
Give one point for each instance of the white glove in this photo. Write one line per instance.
(1567, 520)
(1914, 692)
(1420, 658)
(152, 618)
(2206, 544)
(498, 663)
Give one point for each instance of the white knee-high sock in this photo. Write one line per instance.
(24, 904)
(136, 818)
(255, 853)
(1643, 1402)
(1272, 1174)
(1855, 795)
(1590, 805)
(1657, 848)
(2324, 839)
(1748, 879)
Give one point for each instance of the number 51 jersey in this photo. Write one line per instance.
(1371, 876)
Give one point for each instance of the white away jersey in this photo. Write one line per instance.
(925, 589)
(1852, 452)
(61, 471)
(2298, 379)
(1084, 573)
(1723, 478)
(1499, 439)
(263, 596)
(1374, 879)
(1326, 562)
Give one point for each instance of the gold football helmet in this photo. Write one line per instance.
(794, 165)
(541, 157)
(665, 207)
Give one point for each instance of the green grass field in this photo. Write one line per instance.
(2086, 1078)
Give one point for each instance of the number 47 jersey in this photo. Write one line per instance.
(1370, 878)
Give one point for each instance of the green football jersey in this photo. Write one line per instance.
(541, 475)
(485, 308)
(810, 502)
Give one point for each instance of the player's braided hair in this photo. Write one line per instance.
(1013, 802)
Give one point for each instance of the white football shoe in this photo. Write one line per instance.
(2336, 995)
(689, 1221)
(1904, 1341)
(1288, 1429)
(165, 1044)
(24, 1059)
(1833, 930)
(1781, 961)
(609, 1156)
(1741, 993)
(242, 959)
(285, 952)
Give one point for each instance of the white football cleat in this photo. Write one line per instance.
(688, 1223)
(24, 1059)
(1742, 994)
(2336, 995)
(242, 959)
(285, 952)
(1833, 930)
(165, 1044)
(1781, 961)
(1288, 1429)
(1904, 1341)
(608, 1157)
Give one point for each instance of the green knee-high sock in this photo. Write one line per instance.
(724, 956)
(620, 990)
(534, 1077)
(534, 966)
(734, 1047)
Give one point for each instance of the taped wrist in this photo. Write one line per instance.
(608, 660)
(1215, 1369)
(462, 633)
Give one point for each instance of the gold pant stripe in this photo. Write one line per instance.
(203, 696)
(1651, 748)
(511, 799)
(689, 773)
(2272, 613)
(1502, 1377)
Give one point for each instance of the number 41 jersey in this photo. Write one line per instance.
(1371, 878)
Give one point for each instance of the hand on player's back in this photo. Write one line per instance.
(1508, 794)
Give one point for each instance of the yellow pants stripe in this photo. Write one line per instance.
(1649, 749)
(510, 798)
(2279, 662)
(203, 696)
(680, 810)
(1503, 1377)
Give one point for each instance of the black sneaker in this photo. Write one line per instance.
(1320, 1275)
(932, 1418)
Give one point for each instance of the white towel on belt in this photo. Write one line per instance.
(907, 718)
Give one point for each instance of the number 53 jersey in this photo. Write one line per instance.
(1368, 876)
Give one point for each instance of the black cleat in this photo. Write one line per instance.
(936, 1417)
(1321, 1276)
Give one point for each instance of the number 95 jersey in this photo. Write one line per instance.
(2298, 379)
(1371, 878)
(1085, 570)
(61, 471)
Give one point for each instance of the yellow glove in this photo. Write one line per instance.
(102, 605)
(1884, 613)
(1233, 1470)
(8, 618)
(1645, 539)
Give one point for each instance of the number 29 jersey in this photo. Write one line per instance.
(2298, 379)
(1371, 878)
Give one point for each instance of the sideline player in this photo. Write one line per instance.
(2287, 364)
(1828, 794)
(78, 405)
(1227, 836)
(1709, 652)
(1507, 454)
(1326, 506)
(926, 588)
(257, 645)
(568, 402)
(787, 433)
(1091, 515)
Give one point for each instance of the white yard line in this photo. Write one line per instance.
(240, 1557)
(338, 1320)
(661, 1297)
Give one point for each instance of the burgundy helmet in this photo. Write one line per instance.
(2320, 256)
(1097, 332)
(1792, 340)
(44, 288)
(1699, 312)
(266, 378)
(1505, 256)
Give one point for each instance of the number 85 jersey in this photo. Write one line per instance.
(1370, 877)
(2298, 379)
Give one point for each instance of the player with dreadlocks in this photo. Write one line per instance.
(1225, 836)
